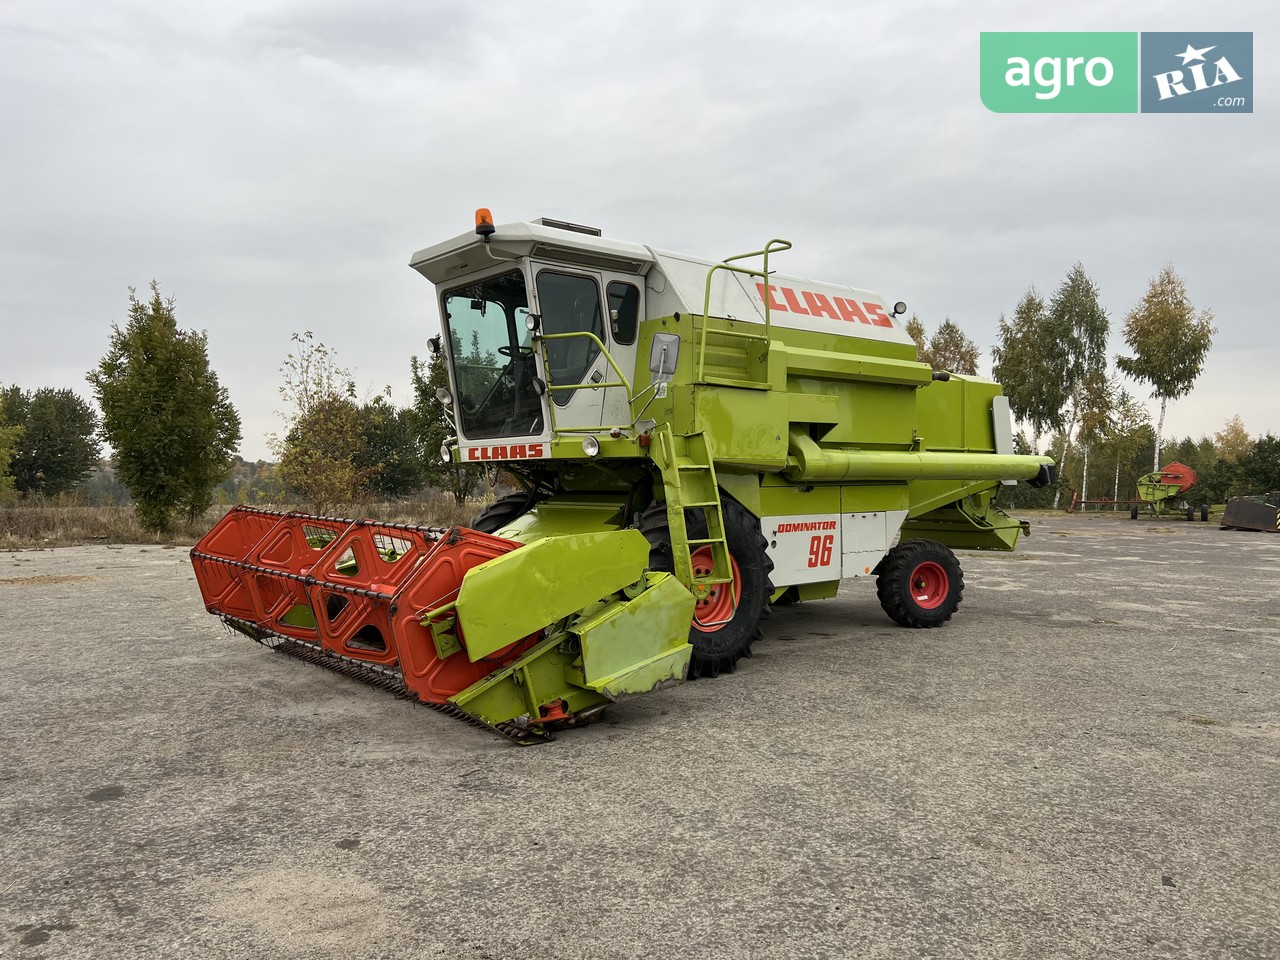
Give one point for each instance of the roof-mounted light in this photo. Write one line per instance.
(484, 223)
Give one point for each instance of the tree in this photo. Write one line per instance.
(951, 350)
(1127, 430)
(1037, 393)
(59, 445)
(1075, 338)
(1258, 471)
(1169, 342)
(323, 446)
(392, 455)
(435, 427)
(948, 349)
(1233, 441)
(320, 453)
(916, 331)
(1096, 409)
(9, 437)
(170, 422)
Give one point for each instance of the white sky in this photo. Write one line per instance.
(274, 165)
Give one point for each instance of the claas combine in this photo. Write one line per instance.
(1160, 490)
(693, 441)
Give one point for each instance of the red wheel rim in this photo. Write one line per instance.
(929, 585)
(715, 607)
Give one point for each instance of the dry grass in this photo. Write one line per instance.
(64, 522)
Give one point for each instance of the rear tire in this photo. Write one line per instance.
(501, 512)
(1204, 513)
(718, 649)
(1191, 513)
(1133, 513)
(920, 584)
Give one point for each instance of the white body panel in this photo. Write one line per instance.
(867, 537)
(675, 283)
(828, 546)
(679, 284)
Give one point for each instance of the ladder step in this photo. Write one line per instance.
(709, 540)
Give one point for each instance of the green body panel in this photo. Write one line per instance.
(634, 646)
(633, 642)
(1154, 492)
(743, 487)
(780, 499)
(874, 497)
(823, 590)
(955, 415)
(566, 515)
(742, 426)
(971, 523)
(521, 688)
(521, 592)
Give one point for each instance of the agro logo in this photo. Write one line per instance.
(1197, 72)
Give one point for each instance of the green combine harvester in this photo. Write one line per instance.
(694, 442)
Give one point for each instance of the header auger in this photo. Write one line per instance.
(695, 442)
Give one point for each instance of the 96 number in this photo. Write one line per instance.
(820, 551)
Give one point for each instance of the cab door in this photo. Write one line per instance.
(571, 302)
(624, 309)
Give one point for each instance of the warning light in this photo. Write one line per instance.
(484, 223)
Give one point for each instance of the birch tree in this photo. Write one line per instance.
(1075, 338)
(1169, 340)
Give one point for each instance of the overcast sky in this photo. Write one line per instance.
(273, 165)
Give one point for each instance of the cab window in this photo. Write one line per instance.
(624, 311)
(569, 304)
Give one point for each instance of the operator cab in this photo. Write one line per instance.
(531, 316)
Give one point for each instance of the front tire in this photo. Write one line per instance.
(717, 647)
(920, 584)
(501, 512)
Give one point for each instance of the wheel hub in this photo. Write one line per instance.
(929, 585)
(715, 607)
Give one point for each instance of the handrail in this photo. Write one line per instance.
(603, 349)
(773, 246)
(622, 380)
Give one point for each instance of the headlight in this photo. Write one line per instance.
(590, 446)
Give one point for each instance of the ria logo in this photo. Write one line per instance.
(1171, 84)
(1064, 72)
(1197, 73)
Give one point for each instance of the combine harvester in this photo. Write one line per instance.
(694, 441)
(1160, 490)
